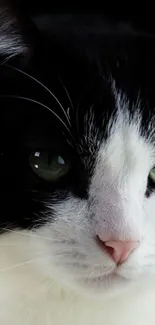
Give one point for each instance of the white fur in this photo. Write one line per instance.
(58, 275)
(29, 297)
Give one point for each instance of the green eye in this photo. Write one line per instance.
(152, 174)
(49, 167)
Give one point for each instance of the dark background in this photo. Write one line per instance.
(141, 15)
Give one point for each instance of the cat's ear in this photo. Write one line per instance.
(15, 35)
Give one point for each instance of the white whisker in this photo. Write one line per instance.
(8, 245)
(9, 58)
(38, 103)
(25, 234)
(67, 93)
(77, 118)
(69, 143)
(68, 112)
(43, 86)
(24, 263)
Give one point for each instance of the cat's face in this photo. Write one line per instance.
(77, 158)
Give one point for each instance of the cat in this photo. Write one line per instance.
(77, 223)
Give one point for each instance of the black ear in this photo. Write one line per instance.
(17, 35)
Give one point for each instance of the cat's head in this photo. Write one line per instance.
(78, 150)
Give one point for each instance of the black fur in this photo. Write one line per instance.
(83, 53)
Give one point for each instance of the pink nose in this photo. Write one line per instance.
(120, 250)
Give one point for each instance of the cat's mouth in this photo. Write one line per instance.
(111, 283)
(114, 275)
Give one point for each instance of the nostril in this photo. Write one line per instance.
(102, 245)
(107, 249)
(118, 250)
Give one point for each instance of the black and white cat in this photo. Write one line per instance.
(77, 103)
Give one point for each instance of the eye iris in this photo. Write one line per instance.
(47, 166)
(152, 174)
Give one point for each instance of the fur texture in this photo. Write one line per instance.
(86, 93)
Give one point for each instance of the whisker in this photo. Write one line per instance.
(8, 245)
(38, 103)
(68, 112)
(24, 263)
(77, 118)
(9, 58)
(69, 143)
(25, 234)
(43, 86)
(67, 93)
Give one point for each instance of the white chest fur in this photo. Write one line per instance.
(29, 298)
(26, 299)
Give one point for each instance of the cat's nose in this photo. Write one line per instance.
(119, 250)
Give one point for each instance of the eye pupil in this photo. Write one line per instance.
(48, 166)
